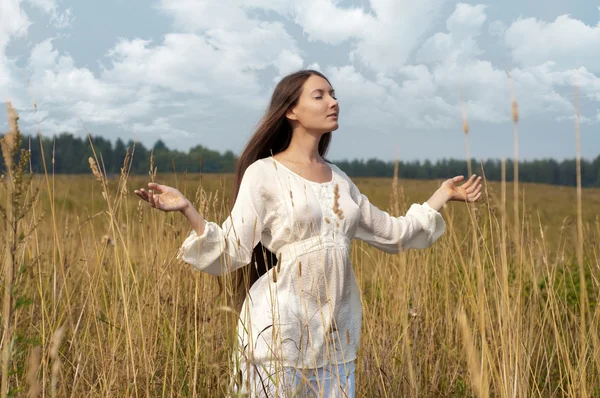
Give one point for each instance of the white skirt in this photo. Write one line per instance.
(329, 381)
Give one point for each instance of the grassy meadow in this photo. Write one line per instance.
(96, 303)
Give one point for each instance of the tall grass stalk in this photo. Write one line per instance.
(465, 122)
(18, 204)
(582, 282)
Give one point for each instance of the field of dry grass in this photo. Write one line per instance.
(96, 304)
(98, 289)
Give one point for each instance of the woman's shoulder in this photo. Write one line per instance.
(352, 188)
(262, 166)
(339, 171)
(259, 171)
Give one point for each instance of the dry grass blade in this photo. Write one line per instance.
(56, 361)
(32, 372)
(15, 210)
(466, 131)
(473, 356)
(583, 304)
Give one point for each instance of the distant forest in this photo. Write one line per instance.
(71, 157)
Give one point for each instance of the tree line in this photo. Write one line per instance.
(71, 157)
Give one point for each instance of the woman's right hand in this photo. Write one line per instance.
(163, 197)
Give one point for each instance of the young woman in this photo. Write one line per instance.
(289, 231)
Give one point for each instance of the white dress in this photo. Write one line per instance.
(305, 312)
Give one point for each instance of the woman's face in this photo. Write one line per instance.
(317, 109)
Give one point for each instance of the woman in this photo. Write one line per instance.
(300, 321)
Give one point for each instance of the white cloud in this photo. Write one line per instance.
(567, 41)
(466, 20)
(386, 44)
(381, 40)
(459, 70)
(212, 74)
(56, 79)
(583, 120)
(219, 61)
(13, 23)
(427, 96)
(67, 95)
(464, 26)
(286, 63)
(144, 80)
(159, 128)
(228, 46)
(317, 19)
(60, 20)
(379, 106)
(314, 66)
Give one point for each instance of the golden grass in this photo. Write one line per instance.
(504, 304)
(138, 323)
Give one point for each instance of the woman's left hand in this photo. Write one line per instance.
(470, 191)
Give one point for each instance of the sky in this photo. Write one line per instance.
(201, 72)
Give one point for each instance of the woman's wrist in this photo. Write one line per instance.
(194, 217)
(439, 199)
(186, 209)
(189, 211)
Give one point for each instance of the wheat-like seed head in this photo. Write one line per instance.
(95, 170)
(124, 172)
(336, 206)
(9, 141)
(464, 119)
(140, 212)
(153, 169)
(515, 111)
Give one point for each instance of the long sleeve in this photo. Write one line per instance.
(223, 249)
(418, 229)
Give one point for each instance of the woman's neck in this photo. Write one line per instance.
(304, 147)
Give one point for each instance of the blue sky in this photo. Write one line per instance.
(195, 72)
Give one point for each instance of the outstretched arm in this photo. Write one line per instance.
(165, 198)
(470, 192)
(421, 226)
(216, 249)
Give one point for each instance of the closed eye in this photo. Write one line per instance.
(321, 92)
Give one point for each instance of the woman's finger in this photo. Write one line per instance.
(141, 196)
(156, 187)
(151, 198)
(476, 197)
(469, 181)
(475, 186)
(458, 179)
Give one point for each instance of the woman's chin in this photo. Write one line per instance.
(328, 128)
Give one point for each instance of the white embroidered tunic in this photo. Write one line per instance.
(306, 311)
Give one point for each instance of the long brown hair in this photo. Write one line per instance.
(272, 136)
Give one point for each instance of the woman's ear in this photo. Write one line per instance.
(290, 114)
